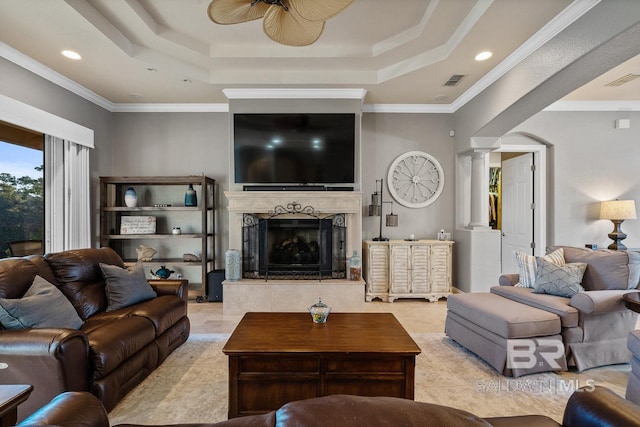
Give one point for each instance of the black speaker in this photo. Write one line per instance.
(214, 285)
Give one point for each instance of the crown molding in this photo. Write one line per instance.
(565, 18)
(409, 108)
(594, 106)
(292, 93)
(22, 60)
(170, 108)
(380, 108)
(224, 108)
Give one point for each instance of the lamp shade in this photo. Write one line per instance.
(618, 209)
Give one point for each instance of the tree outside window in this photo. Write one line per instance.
(21, 195)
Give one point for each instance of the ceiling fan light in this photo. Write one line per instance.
(289, 28)
(235, 11)
(315, 11)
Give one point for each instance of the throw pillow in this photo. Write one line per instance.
(634, 269)
(42, 306)
(527, 266)
(608, 269)
(125, 287)
(563, 281)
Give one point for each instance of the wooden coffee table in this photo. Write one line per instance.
(632, 301)
(10, 397)
(275, 358)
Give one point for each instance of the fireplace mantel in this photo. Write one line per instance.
(247, 295)
(324, 202)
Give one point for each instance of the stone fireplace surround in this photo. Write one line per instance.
(294, 295)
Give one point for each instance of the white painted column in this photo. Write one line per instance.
(479, 190)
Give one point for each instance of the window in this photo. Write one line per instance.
(21, 188)
(67, 207)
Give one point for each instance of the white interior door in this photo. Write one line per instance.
(517, 209)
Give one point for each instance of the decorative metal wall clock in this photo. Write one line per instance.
(415, 179)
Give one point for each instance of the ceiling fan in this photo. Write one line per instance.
(289, 22)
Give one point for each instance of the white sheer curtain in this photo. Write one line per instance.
(67, 195)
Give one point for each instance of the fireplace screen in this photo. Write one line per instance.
(302, 247)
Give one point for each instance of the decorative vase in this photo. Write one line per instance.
(190, 197)
(355, 267)
(130, 197)
(162, 273)
(232, 264)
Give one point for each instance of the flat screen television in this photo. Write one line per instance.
(294, 149)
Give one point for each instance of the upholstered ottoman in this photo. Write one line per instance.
(513, 338)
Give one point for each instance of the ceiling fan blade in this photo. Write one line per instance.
(314, 10)
(287, 27)
(235, 11)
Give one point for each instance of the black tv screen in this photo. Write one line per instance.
(294, 148)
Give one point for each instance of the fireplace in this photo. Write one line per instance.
(298, 285)
(302, 247)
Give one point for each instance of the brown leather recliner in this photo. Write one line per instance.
(587, 407)
(110, 354)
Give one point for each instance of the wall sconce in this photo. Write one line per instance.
(375, 209)
(617, 211)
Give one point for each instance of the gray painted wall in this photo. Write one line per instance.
(194, 143)
(588, 161)
(386, 136)
(151, 144)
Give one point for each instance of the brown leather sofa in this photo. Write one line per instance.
(111, 353)
(589, 407)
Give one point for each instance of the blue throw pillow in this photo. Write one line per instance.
(125, 287)
(42, 306)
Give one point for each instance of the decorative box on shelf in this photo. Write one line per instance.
(138, 224)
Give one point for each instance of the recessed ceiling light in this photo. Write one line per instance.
(71, 54)
(152, 70)
(482, 56)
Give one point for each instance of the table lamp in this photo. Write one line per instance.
(617, 211)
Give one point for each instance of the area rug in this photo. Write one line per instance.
(191, 385)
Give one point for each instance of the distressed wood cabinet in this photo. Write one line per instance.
(407, 269)
(375, 270)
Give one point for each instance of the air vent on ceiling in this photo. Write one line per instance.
(454, 80)
(624, 79)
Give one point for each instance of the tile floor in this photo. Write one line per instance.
(417, 316)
